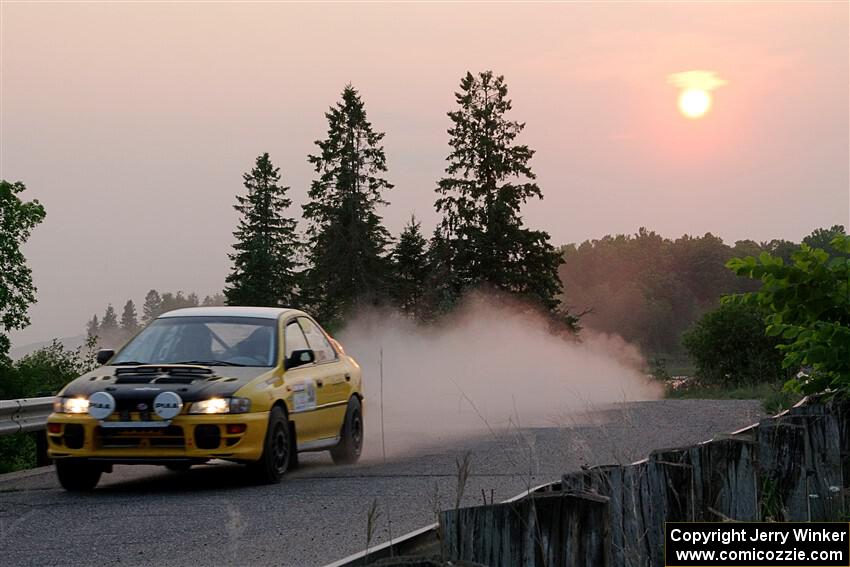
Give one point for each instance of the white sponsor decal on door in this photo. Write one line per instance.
(304, 396)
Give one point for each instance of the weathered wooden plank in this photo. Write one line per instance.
(675, 489)
(822, 466)
(782, 476)
(552, 530)
(841, 410)
(725, 480)
(636, 547)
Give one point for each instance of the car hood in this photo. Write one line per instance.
(190, 382)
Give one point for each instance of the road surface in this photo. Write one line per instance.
(149, 516)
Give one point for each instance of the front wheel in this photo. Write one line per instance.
(351, 438)
(78, 475)
(277, 450)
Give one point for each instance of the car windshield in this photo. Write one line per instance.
(211, 341)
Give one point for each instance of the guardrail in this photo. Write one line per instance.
(24, 415)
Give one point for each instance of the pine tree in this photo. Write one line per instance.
(152, 307)
(93, 327)
(264, 265)
(346, 235)
(410, 268)
(109, 323)
(129, 319)
(488, 180)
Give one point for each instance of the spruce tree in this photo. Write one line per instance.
(264, 257)
(109, 332)
(410, 268)
(109, 323)
(346, 236)
(488, 180)
(129, 319)
(152, 307)
(93, 327)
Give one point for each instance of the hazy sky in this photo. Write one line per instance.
(134, 122)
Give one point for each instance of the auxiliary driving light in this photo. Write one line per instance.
(100, 405)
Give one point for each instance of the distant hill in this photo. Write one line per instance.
(70, 343)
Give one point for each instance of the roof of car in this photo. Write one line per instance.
(257, 312)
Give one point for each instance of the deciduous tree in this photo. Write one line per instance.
(808, 306)
(17, 292)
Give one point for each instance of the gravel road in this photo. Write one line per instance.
(149, 516)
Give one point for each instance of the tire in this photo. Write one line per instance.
(277, 450)
(78, 475)
(351, 437)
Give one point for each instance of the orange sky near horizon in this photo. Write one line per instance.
(133, 122)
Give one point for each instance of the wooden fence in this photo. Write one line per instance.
(791, 467)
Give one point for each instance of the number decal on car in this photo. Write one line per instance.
(304, 396)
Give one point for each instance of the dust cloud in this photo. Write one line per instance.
(493, 366)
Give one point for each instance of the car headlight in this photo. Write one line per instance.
(221, 405)
(71, 405)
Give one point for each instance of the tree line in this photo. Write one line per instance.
(650, 289)
(112, 331)
(348, 258)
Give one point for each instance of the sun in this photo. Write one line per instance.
(695, 88)
(694, 103)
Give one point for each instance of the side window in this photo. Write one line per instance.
(294, 339)
(316, 338)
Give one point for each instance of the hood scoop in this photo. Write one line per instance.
(163, 374)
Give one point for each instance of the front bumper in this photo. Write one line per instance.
(195, 437)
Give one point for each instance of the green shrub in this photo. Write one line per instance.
(729, 347)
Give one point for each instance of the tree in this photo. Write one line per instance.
(92, 327)
(808, 306)
(129, 319)
(17, 291)
(346, 237)
(109, 323)
(410, 268)
(488, 180)
(152, 306)
(729, 347)
(263, 271)
(170, 301)
(214, 300)
(822, 238)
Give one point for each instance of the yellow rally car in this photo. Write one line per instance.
(254, 385)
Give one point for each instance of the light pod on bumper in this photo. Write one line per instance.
(101, 405)
(167, 405)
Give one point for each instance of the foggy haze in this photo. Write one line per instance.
(133, 122)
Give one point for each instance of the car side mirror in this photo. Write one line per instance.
(104, 354)
(300, 358)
